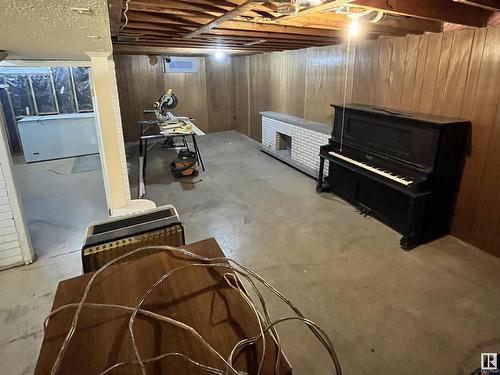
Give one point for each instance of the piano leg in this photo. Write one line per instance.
(408, 244)
(322, 186)
(412, 236)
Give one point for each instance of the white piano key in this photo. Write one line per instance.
(399, 179)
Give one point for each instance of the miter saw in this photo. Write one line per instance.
(167, 121)
(164, 104)
(171, 127)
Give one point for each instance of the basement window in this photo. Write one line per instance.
(182, 65)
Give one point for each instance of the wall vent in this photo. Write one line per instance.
(182, 65)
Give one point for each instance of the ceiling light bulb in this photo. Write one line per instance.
(353, 27)
(315, 2)
(219, 55)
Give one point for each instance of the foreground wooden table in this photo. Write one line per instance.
(193, 296)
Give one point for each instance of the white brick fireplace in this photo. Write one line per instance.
(306, 138)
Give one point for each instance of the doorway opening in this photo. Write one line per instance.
(53, 140)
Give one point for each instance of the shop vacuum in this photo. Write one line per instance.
(185, 164)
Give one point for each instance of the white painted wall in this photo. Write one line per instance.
(15, 244)
(119, 130)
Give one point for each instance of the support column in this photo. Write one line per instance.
(109, 143)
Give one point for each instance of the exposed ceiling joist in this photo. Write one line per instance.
(242, 22)
(201, 45)
(160, 18)
(325, 5)
(174, 12)
(273, 28)
(485, 4)
(246, 6)
(184, 5)
(115, 14)
(442, 10)
(222, 41)
(132, 49)
(270, 35)
(390, 25)
(150, 26)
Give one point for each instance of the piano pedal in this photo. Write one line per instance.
(364, 211)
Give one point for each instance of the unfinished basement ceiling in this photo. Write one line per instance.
(248, 27)
(49, 29)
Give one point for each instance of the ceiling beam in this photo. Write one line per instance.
(159, 18)
(152, 26)
(210, 8)
(220, 3)
(115, 9)
(228, 40)
(227, 46)
(273, 28)
(236, 34)
(442, 10)
(326, 5)
(171, 11)
(246, 6)
(170, 51)
(396, 25)
(270, 35)
(184, 5)
(154, 43)
(485, 4)
(131, 49)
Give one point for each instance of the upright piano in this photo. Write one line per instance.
(403, 169)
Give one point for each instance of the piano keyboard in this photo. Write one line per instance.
(381, 172)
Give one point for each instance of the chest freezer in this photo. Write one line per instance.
(58, 136)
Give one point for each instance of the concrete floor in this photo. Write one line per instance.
(429, 311)
(59, 198)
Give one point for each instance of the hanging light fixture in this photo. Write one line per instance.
(353, 27)
(219, 55)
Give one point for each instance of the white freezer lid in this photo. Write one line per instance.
(63, 116)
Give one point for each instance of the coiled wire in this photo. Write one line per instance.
(234, 268)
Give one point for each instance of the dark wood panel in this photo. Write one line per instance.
(220, 95)
(241, 82)
(141, 83)
(483, 117)
(487, 153)
(260, 92)
(139, 86)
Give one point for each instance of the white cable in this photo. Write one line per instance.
(125, 15)
(345, 91)
(240, 269)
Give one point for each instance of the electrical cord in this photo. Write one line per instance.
(245, 272)
(125, 15)
(148, 314)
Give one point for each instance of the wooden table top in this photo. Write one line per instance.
(195, 296)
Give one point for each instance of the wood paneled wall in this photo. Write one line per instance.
(220, 97)
(456, 73)
(206, 95)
